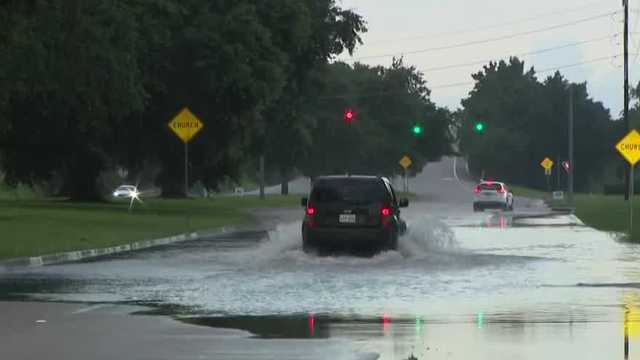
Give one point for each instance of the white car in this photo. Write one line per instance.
(491, 194)
(125, 191)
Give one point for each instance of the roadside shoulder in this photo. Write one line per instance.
(70, 256)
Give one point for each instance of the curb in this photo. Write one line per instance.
(71, 256)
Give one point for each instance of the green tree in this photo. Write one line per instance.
(327, 31)
(526, 121)
(388, 102)
(68, 82)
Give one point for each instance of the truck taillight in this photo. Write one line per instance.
(311, 211)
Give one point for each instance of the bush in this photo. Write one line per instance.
(20, 191)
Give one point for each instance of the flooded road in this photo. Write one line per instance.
(463, 285)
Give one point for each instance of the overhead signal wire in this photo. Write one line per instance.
(467, 83)
(534, 52)
(487, 40)
(495, 26)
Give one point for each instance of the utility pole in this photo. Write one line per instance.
(571, 164)
(628, 179)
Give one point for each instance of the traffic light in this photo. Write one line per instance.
(349, 116)
(479, 127)
(417, 129)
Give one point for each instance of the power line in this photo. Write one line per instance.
(496, 25)
(546, 70)
(586, 62)
(466, 83)
(489, 40)
(535, 52)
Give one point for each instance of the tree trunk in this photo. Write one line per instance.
(171, 179)
(83, 170)
(284, 187)
(172, 185)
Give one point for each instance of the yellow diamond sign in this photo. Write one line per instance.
(185, 125)
(629, 147)
(405, 162)
(547, 164)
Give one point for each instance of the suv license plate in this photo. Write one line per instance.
(347, 219)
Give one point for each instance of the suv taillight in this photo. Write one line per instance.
(309, 212)
(501, 190)
(385, 214)
(477, 190)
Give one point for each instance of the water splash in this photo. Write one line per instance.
(426, 235)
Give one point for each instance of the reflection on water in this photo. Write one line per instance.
(480, 320)
(312, 324)
(631, 324)
(481, 336)
(497, 221)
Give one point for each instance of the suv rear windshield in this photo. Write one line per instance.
(349, 190)
(490, 186)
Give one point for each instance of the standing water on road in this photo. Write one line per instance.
(440, 270)
(458, 274)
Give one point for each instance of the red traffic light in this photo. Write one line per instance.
(349, 115)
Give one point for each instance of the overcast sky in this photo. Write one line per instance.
(404, 26)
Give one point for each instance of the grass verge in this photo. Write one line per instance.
(608, 213)
(31, 227)
(527, 192)
(603, 212)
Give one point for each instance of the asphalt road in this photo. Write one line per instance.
(463, 285)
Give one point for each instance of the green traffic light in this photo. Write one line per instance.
(417, 130)
(479, 127)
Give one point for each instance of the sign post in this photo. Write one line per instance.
(405, 162)
(547, 165)
(547, 173)
(186, 125)
(629, 148)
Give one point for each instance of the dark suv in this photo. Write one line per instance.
(352, 213)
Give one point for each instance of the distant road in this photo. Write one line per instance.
(445, 185)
